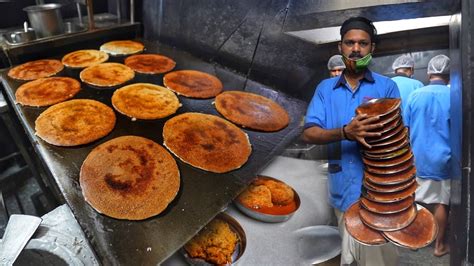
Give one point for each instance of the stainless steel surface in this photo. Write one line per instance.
(79, 14)
(335, 5)
(278, 243)
(319, 243)
(45, 19)
(19, 230)
(59, 241)
(332, 34)
(132, 11)
(90, 14)
(21, 36)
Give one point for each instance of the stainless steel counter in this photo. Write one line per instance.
(294, 242)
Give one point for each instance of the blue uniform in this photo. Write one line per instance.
(406, 86)
(333, 105)
(427, 116)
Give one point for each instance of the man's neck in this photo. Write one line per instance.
(353, 78)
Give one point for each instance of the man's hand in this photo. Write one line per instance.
(360, 127)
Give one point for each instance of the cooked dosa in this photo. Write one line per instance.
(150, 63)
(387, 208)
(107, 74)
(75, 122)
(194, 84)
(420, 233)
(388, 222)
(358, 230)
(252, 111)
(36, 69)
(129, 177)
(47, 91)
(207, 142)
(84, 58)
(145, 101)
(124, 47)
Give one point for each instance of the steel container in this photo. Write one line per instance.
(45, 19)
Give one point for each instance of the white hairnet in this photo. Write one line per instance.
(403, 61)
(336, 62)
(439, 65)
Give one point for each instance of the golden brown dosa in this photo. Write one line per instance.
(47, 91)
(358, 230)
(107, 74)
(194, 84)
(145, 101)
(420, 233)
(252, 111)
(36, 69)
(388, 222)
(124, 47)
(75, 122)
(84, 58)
(129, 177)
(150, 63)
(207, 142)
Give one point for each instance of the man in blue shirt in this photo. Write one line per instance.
(427, 116)
(331, 119)
(404, 67)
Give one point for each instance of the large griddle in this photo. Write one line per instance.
(202, 194)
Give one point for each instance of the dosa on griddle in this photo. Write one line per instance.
(252, 111)
(84, 58)
(47, 91)
(36, 69)
(192, 83)
(107, 74)
(124, 47)
(207, 142)
(129, 177)
(75, 122)
(150, 63)
(145, 101)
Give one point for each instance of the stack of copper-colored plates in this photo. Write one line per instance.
(387, 204)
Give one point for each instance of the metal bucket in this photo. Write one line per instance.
(45, 19)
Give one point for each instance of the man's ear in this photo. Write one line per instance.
(339, 47)
(373, 48)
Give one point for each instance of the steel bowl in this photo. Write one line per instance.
(239, 249)
(265, 217)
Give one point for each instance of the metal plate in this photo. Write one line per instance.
(202, 194)
(317, 244)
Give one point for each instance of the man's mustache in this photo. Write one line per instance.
(355, 56)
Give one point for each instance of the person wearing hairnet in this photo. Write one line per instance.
(427, 116)
(335, 65)
(330, 119)
(404, 67)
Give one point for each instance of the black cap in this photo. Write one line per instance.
(359, 23)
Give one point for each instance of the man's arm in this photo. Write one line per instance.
(357, 129)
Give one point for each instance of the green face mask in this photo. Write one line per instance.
(358, 65)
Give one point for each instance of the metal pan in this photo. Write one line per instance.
(395, 138)
(381, 107)
(403, 166)
(386, 135)
(388, 163)
(381, 152)
(387, 188)
(391, 196)
(391, 179)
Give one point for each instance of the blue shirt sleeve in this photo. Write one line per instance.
(316, 113)
(392, 89)
(407, 111)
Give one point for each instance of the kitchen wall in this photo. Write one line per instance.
(249, 36)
